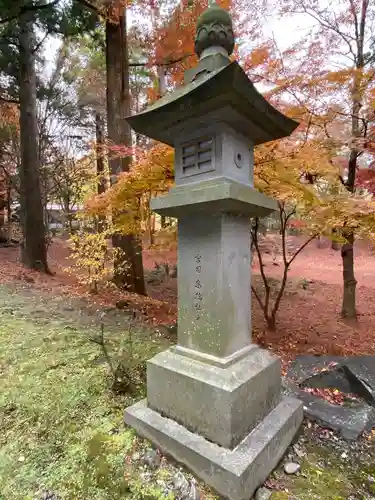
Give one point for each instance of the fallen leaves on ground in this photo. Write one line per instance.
(333, 396)
(308, 320)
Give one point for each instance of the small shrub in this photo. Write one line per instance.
(91, 253)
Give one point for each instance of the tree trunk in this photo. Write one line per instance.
(335, 245)
(100, 169)
(162, 84)
(348, 309)
(34, 249)
(128, 266)
(9, 212)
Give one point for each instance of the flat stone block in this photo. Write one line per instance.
(234, 474)
(218, 195)
(361, 373)
(221, 404)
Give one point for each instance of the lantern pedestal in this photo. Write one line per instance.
(235, 472)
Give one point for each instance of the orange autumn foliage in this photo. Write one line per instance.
(175, 39)
(127, 200)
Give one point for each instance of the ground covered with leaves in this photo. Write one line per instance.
(309, 317)
(62, 427)
(61, 423)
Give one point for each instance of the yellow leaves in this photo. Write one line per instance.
(9, 115)
(90, 253)
(151, 174)
(280, 172)
(341, 76)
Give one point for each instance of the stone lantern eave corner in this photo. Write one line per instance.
(229, 86)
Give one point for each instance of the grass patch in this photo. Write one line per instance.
(326, 476)
(61, 427)
(317, 482)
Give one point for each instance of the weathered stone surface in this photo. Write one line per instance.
(213, 289)
(361, 374)
(151, 459)
(229, 156)
(185, 489)
(254, 116)
(237, 473)
(49, 495)
(181, 485)
(334, 379)
(263, 494)
(214, 196)
(350, 422)
(222, 405)
(307, 366)
(214, 29)
(214, 401)
(291, 468)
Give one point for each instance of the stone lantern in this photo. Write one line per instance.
(214, 401)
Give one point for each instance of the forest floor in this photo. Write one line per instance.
(61, 421)
(308, 321)
(61, 428)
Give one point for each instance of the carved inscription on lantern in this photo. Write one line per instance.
(198, 297)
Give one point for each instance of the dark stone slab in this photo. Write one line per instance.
(351, 422)
(361, 375)
(352, 374)
(305, 367)
(332, 379)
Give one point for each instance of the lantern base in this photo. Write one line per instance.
(234, 474)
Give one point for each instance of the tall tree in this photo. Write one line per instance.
(18, 56)
(128, 268)
(34, 248)
(328, 75)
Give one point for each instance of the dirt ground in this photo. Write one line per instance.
(308, 320)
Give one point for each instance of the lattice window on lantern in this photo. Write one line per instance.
(197, 156)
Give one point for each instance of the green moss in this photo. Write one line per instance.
(325, 476)
(61, 427)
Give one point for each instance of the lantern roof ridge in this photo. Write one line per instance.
(226, 95)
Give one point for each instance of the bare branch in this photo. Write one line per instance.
(303, 247)
(9, 100)
(28, 8)
(91, 6)
(254, 233)
(169, 63)
(258, 298)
